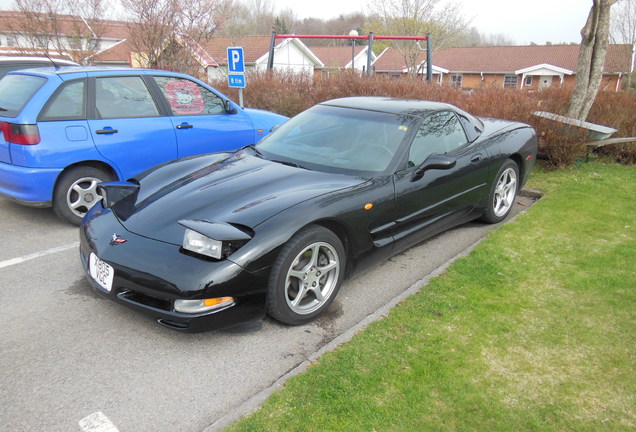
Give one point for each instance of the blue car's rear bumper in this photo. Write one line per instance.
(28, 186)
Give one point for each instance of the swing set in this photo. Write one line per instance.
(370, 38)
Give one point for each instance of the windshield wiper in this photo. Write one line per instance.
(3, 109)
(256, 151)
(289, 163)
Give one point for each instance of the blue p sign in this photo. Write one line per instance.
(235, 62)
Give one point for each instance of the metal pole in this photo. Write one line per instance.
(429, 58)
(353, 56)
(369, 53)
(270, 58)
(241, 98)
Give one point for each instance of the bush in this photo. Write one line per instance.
(289, 94)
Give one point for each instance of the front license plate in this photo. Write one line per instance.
(100, 271)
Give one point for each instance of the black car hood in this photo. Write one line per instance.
(235, 188)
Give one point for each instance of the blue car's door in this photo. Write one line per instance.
(128, 128)
(200, 121)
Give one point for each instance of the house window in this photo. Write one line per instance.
(456, 80)
(510, 81)
(529, 80)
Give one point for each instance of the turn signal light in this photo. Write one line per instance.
(217, 301)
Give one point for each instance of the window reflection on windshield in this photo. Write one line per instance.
(342, 139)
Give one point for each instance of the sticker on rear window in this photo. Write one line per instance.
(184, 97)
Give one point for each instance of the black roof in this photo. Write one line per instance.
(391, 105)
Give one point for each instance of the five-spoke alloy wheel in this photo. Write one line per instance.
(306, 275)
(503, 193)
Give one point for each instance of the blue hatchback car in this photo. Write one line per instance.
(64, 130)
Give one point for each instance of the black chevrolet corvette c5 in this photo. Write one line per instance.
(221, 239)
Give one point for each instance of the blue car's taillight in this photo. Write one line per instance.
(25, 134)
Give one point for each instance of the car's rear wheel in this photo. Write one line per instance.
(502, 193)
(306, 276)
(76, 192)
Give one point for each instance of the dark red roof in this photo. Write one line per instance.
(508, 59)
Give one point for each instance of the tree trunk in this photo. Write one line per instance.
(589, 70)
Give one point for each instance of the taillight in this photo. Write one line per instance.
(25, 134)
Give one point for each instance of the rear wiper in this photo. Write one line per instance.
(3, 109)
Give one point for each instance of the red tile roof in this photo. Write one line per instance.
(254, 47)
(508, 59)
(335, 56)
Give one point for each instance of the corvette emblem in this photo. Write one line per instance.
(117, 239)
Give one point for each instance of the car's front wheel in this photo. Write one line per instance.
(502, 193)
(306, 276)
(76, 192)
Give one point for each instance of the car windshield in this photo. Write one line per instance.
(338, 139)
(16, 91)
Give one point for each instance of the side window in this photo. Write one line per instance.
(125, 96)
(471, 130)
(67, 104)
(186, 97)
(439, 133)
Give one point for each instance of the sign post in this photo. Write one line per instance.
(236, 70)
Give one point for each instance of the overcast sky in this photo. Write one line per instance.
(537, 21)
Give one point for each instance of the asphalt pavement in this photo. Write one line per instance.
(73, 361)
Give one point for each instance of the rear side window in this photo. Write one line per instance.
(67, 103)
(123, 97)
(186, 97)
(16, 91)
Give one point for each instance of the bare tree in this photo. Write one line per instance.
(589, 70)
(623, 26)
(251, 18)
(58, 27)
(167, 34)
(417, 18)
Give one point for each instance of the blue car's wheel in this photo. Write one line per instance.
(76, 192)
(306, 276)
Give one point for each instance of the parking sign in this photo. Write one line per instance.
(235, 60)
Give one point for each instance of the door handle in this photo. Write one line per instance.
(106, 130)
(184, 126)
(476, 158)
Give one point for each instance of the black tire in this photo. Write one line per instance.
(306, 276)
(503, 193)
(75, 192)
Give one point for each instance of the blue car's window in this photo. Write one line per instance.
(67, 104)
(16, 91)
(439, 133)
(123, 97)
(339, 139)
(186, 97)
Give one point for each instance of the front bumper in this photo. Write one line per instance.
(149, 275)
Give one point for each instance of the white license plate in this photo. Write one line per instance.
(100, 271)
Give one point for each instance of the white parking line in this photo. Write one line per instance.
(97, 422)
(19, 260)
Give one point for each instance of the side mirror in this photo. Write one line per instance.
(434, 161)
(230, 108)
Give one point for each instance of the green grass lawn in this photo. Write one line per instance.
(534, 330)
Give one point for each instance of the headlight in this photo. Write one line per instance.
(216, 240)
(198, 243)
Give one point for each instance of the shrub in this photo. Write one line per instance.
(289, 94)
